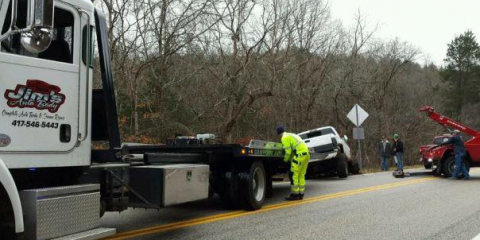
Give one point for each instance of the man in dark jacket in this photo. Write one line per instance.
(384, 149)
(398, 152)
(459, 150)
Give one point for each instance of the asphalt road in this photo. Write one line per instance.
(371, 206)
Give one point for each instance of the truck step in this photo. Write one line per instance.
(90, 235)
(60, 211)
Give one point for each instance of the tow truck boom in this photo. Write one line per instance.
(448, 122)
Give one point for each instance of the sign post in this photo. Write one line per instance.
(357, 116)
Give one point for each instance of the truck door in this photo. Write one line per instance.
(39, 93)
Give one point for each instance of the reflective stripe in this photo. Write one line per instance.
(297, 139)
(295, 189)
(301, 189)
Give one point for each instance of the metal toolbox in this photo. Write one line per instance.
(166, 185)
(60, 211)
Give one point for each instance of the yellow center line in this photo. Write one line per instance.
(236, 214)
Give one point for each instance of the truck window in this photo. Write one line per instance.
(90, 43)
(440, 140)
(60, 49)
(317, 133)
(327, 131)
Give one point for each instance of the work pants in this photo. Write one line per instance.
(459, 166)
(299, 169)
(384, 163)
(399, 161)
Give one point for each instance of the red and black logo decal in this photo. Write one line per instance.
(35, 94)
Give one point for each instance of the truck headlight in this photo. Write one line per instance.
(430, 160)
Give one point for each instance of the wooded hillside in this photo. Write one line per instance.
(238, 68)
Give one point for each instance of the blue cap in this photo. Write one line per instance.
(280, 129)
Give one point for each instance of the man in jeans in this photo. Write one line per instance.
(398, 152)
(459, 150)
(384, 149)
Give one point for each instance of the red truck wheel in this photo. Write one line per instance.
(448, 166)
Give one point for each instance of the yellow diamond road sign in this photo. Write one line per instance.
(357, 115)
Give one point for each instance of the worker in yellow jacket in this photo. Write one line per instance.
(296, 152)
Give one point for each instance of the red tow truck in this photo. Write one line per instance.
(442, 156)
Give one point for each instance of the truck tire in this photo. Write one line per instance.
(448, 166)
(231, 194)
(9, 234)
(342, 166)
(353, 167)
(103, 208)
(7, 222)
(254, 186)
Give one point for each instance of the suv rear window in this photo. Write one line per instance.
(317, 133)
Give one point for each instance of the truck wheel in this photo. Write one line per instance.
(103, 208)
(353, 167)
(231, 194)
(342, 166)
(448, 166)
(8, 232)
(7, 221)
(255, 186)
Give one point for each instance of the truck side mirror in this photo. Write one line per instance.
(39, 31)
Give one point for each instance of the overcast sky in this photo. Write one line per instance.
(427, 24)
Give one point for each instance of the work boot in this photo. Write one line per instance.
(300, 196)
(293, 197)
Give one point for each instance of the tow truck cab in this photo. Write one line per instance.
(52, 183)
(45, 118)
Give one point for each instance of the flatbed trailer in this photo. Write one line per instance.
(241, 175)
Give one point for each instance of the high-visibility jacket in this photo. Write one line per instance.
(293, 144)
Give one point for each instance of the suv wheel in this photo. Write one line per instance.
(342, 166)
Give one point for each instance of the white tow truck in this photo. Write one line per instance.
(330, 153)
(53, 185)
